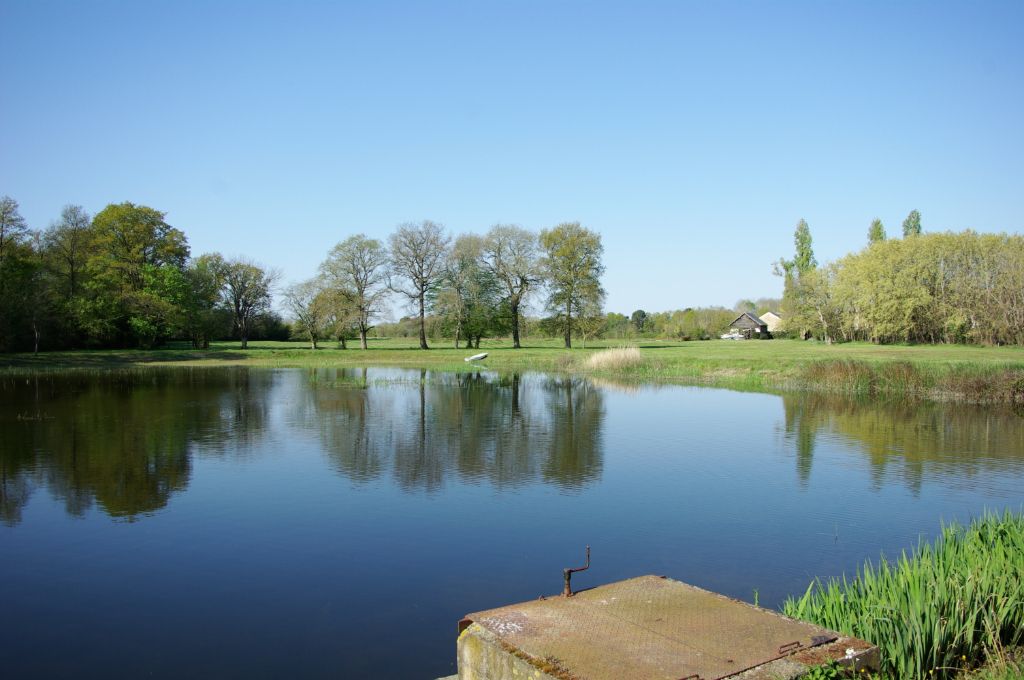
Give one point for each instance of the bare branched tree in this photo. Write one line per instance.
(418, 253)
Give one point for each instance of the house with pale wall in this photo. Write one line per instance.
(772, 320)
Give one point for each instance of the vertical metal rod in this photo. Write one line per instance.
(568, 572)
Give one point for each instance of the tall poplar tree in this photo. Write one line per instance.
(801, 266)
(804, 260)
(912, 225)
(876, 232)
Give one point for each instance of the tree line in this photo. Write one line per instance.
(472, 287)
(121, 278)
(923, 288)
(126, 278)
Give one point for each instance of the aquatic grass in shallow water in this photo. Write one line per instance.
(959, 598)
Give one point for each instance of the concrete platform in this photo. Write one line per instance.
(646, 628)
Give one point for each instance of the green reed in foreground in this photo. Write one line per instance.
(943, 606)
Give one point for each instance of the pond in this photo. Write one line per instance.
(315, 523)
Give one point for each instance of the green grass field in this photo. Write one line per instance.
(956, 372)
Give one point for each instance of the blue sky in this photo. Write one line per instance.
(692, 136)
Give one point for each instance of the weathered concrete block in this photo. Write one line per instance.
(483, 656)
(647, 628)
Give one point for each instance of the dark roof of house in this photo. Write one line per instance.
(752, 317)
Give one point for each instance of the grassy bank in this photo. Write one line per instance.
(939, 610)
(976, 374)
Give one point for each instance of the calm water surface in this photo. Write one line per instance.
(338, 523)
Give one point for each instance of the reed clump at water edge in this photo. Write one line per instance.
(947, 605)
(943, 382)
(615, 359)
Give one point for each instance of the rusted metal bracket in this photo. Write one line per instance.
(790, 647)
(568, 572)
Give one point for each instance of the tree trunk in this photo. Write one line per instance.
(35, 332)
(312, 343)
(458, 335)
(477, 346)
(515, 323)
(423, 323)
(362, 336)
(568, 326)
(824, 326)
(245, 340)
(341, 342)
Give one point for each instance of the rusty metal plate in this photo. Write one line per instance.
(648, 628)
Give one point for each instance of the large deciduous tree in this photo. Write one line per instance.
(307, 308)
(573, 269)
(130, 237)
(15, 270)
(357, 270)
(639, 320)
(469, 301)
(418, 253)
(340, 318)
(12, 226)
(67, 247)
(135, 274)
(511, 254)
(202, 319)
(248, 291)
(813, 308)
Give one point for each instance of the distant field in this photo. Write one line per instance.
(942, 371)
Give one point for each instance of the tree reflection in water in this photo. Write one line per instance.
(506, 430)
(122, 440)
(906, 441)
